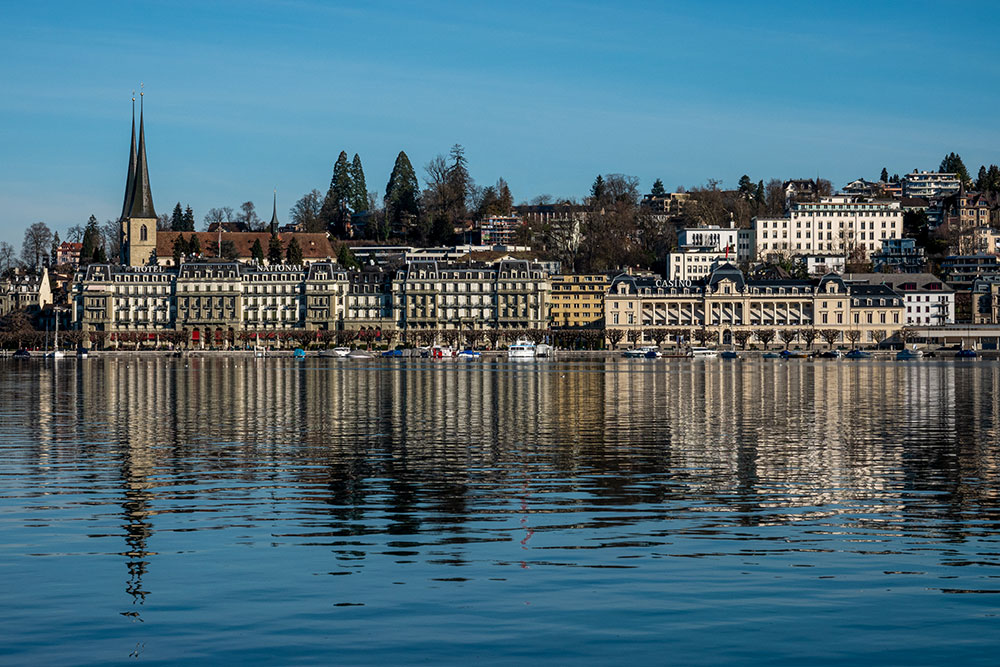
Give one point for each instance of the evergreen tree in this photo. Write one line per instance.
(335, 205)
(885, 175)
(294, 253)
(506, 199)
(274, 250)
(359, 190)
(177, 219)
(55, 247)
(188, 219)
(952, 164)
(759, 195)
(194, 245)
(597, 190)
(346, 258)
(658, 189)
(257, 251)
(180, 248)
(91, 241)
(99, 256)
(402, 192)
(746, 188)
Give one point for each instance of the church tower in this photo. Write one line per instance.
(138, 221)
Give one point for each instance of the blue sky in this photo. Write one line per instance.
(243, 97)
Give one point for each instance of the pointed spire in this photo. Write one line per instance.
(141, 205)
(274, 214)
(130, 177)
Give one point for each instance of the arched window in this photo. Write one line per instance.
(142, 233)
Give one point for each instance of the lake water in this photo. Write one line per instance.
(344, 512)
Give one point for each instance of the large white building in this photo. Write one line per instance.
(837, 225)
(702, 249)
(930, 184)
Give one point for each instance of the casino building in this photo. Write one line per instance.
(726, 302)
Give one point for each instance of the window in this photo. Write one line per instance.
(142, 233)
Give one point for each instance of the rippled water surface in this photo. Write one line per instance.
(274, 511)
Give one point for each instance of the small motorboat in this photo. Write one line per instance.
(55, 354)
(795, 354)
(469, 354)
(729, 354)
(702, 353)
(909, 355)
(831, 354)
(299, 353)
(22, 354)
(392, 353)
(81, 353)
(359, 354)
(544, 350)
(521, 349)
(966, 354)
(633, 353)
(858, 354)
(770, 355)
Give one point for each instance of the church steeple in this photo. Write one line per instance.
(130, 177)
(141, 204)
(274, 215)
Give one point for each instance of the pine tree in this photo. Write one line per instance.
(188, 220)
(346, 258)
(759, 196)
(506, 202)
(99, 256)
(91, 241)
(746, 189)
(274, 250)
(952, 164)
(658, 189)
(177, 219)
(180, 248)
(597, 190)
(257, 251)
(294, 253)
(359, 195)
(55, 247)
(885, 175)
(194, 245)
(337, 201)
(402, 192)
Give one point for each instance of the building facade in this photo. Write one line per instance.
(930, 184)
(578, 300)
(22, 290)
(726, 303)
(899, 256)
(929, 301)
(838, 225)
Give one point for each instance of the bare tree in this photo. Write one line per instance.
(742, 337)
(808, 335)
(878, 335)
(633, 335)
(8, 258)
(658, 336)
(37, 242)
(788, 335)
(75, 234)
(905, 335)
(112, 233)
(765, 336)
(853, 335)
(215, 215)
(306, 212)
(831, 336)
(614, 336)
(703, 335)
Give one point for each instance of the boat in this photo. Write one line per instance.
(521, 349)
(469, 354)
(338, 352)
(965, 353)
(392, 353)
(795, 354)
(831, 354)
(634, 353)
(359, 354)
(702, 353)
(771, 355)
(81, 353)
(543, 350)
(438, 352)
(299, 353)
(22, 354)
(908, 355)
(858, 354)
(56, 353)
(729, 354)
(259, 351)
(652, 352)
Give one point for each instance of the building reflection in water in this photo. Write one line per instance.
(344, 449)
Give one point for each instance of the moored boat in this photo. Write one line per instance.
(858, 354)
(831, 354)
(770, 355)
(966, 353)
(729, 354)
(795, 354)
(521, 349)
(909, 354)
(299, 353)
(702, 353)
(469, 354)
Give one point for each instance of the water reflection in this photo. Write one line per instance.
(468, 469)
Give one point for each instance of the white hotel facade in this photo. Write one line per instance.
(836, 225)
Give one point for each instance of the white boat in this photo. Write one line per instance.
(358, 354)
(259, 351)
(702, 353)
(543, 350)
(341, 351)
(55, 354)
(907, 355)
(648, 352)
(521, 349)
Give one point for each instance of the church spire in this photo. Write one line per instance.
(130, 177)
(141, 205)
(274, 214)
